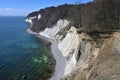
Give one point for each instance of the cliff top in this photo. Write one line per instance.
(93, 16)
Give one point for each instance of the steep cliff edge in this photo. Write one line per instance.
(103, 64)
(82, 51)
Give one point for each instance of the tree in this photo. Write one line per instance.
(79, 7)
(107, 15)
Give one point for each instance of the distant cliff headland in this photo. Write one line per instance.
(85, 39)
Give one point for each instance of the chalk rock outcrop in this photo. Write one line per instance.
(86, 54)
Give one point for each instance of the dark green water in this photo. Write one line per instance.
(21, 54)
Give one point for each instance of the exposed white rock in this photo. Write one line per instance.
(39, 16)
(51, 32)
(29, 20)
(69, 45)
(32, 17)
(68, 42)
(75, 51)
(69, 48)
(66, 51)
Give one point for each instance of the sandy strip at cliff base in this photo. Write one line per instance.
(60, 63)
(59, 58)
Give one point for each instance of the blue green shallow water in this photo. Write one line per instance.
(21, 54)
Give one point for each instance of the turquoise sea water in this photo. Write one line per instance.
(22, 56)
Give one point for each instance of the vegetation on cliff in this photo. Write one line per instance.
(88, 38)
(99, 15)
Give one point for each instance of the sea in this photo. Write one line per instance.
(22, 56)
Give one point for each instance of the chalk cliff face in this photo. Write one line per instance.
(99, 61)
(87, 56)
(52, 32)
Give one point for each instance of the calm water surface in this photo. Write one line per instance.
(22, 56)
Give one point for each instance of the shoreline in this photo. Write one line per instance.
(52, 61)
(54, 53)
(57, 60)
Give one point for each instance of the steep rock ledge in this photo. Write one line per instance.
(103, 63)
(89, 52)
(84, 56)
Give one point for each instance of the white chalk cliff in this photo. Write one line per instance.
(77, 51)
(52, 32)
(72, 47)
(68, 45)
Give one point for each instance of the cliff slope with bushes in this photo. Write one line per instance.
(86, 35)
